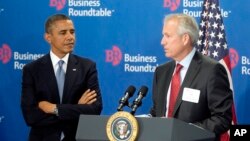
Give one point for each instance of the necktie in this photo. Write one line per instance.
(60, 76)
(175, 86)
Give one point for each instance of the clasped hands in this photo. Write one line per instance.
(88, 97)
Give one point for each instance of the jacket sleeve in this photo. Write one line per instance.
(33, 116)
(220, 101)
(72, 111)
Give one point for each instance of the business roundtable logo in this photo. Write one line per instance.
(114, 55)
(132, 62)
(5, 53)
(171, 4)
(83, 8)
(234, 57)
(58, 4)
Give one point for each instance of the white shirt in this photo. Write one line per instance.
(55, 60)
(185, 64)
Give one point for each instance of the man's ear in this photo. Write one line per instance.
(186, 39)
(47, 37)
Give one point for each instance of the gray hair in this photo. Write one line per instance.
(187, 24)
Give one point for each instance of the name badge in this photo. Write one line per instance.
(191, 95)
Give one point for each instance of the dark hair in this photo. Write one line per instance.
(52, 19)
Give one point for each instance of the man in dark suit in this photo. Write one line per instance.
(204, 96)
(52, 116)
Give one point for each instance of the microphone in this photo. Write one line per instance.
(124, 100)
(138, 101)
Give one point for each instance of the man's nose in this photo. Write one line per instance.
(70, 36)
(163, 41)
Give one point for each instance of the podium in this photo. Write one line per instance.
(93, 128)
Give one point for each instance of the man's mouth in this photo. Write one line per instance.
(70, 44)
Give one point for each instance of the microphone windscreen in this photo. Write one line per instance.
(130, 90)
(144, 90)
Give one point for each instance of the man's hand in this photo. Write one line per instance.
(88, 97)
(47, 107)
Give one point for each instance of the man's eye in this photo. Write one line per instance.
(166, 36)
(72, 32)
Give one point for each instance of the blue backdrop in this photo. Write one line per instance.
(122, 36)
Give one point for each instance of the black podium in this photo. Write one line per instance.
(93, 128)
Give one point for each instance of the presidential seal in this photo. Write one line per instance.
(122, 126)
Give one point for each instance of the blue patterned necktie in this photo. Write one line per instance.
(60, 76)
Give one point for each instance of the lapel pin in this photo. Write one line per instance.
(74, 69)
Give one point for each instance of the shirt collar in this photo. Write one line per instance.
(187, 60)
(55, 59)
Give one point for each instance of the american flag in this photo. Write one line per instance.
(212, 42)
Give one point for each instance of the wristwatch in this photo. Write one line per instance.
(55, 111)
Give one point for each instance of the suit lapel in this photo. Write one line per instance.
(165, 77)
(47, 72)
(71, 74)
(192, 71)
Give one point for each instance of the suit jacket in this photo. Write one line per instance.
(213, 110)
(39, 84)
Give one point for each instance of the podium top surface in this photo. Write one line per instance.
(93, 128)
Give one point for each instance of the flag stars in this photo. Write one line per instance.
(210, 43)
(213, 6)
(204, 52)
(208, 24)
(212, 34)
(217, 16)
(225, 46)
(217, 44)
(200, 33)
(220, 35)
(222, 27)
(215, 53)
(212, 40)
(204, 14)
(202, 23)
(215, 25)
(207, 5)
(199, 42)
(205, 42)
(210, 15)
